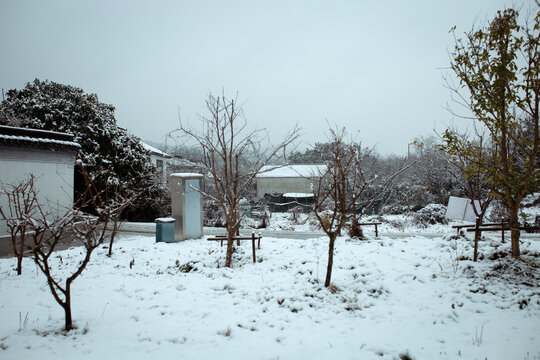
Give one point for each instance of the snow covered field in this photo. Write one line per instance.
(391, 297)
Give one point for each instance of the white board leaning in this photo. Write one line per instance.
(461, 209)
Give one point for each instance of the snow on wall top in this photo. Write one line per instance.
(154, 150)
(304, 171)
(20, 140)
(34, 133)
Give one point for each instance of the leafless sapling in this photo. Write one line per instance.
(341, 186)
(21, 207)
(51, 229)
(338, 189)
(232, 155)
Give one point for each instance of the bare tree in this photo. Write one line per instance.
(340, 187)
(51, 229)
(21, 206)
(233, 155)
(338, 190)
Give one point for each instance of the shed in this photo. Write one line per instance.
(288, 179)
(48, 155)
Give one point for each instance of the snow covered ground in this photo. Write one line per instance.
(391, 297)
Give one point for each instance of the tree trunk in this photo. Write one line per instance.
(330, 260)
(113, 235)
(18, 250)
(19, 263)
(230, 248)
(231, 231)
(514, 231)
(477, 235)
(67, 311)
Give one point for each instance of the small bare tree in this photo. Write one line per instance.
(232, 155)
(338, 189)
(50, 229)
(21, 206)
(342, 185)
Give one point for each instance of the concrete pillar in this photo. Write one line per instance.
(187, 205)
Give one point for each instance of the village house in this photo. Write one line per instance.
(159, 159)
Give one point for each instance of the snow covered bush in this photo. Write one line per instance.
(394, 209)
(430, 215)
(114, 159)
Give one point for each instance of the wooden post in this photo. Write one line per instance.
(477, 235)
(502, 232)
(253, 246)
(259, 242)
(376, 232)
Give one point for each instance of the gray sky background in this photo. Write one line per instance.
(372, 66)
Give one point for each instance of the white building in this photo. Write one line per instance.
(48, 155)
(159, 159)
(298, 179)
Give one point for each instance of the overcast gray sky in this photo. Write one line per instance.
(372, 66)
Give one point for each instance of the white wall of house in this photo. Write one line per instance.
(54, 172)
(281, 185)
(159, 159)
(160, 163)
(288, 179)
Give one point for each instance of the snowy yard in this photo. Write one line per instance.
(391, 297)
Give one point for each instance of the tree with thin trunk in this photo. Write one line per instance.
(341, 185)
(471, 157)
(51, 229)
(21, 206)
(232, 156)
(338, 189)
(498, 71)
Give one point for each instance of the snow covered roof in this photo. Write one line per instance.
(304, 171)
(34, 138)
(154, 150)
(187, 175)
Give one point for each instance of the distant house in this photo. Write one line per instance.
(50, 156)
(296, 179)
(159, 159)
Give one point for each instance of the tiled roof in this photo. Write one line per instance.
(155, 151)
(33, 138)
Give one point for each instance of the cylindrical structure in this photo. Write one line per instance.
(187, 205)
